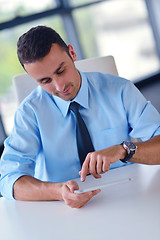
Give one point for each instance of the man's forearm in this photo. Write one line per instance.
(27, 188)
(148, 152)
(98, 162)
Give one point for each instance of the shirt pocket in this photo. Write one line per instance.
(107, 136)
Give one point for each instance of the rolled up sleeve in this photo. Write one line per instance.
(21, 150)
(143, 118)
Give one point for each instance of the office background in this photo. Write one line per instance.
(127, 29)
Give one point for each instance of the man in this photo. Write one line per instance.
(42, 155)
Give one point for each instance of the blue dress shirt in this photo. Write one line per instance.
(43, 142)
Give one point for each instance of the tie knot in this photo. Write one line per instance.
(74, 106)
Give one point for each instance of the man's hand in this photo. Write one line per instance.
(99, 162)
(75, 200)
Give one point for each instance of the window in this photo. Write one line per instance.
(113, 27)
(11, 9)
(119, 28)
(81, 2)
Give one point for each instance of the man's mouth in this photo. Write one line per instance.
(66, 91)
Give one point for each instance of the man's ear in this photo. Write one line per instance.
(72, 52)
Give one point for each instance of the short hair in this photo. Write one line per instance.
(36, 44)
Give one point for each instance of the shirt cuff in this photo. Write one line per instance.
(7, 183)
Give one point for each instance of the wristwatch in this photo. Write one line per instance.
(131, 148)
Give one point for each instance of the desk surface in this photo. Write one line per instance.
(126, 211)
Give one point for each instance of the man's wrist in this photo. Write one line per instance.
(56, 191)
(130, 148)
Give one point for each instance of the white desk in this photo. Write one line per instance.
(129, 211)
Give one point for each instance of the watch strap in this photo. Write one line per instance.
(127, 158)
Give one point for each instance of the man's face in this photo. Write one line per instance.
(56, 73)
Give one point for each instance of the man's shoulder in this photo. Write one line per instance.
(101, 79)
(36, 98)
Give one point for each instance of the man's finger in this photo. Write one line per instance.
(99, 166)
(85, 168)
(72, 185)
(95, 192)
(93, 166)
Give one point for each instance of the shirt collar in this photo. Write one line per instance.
(81, 97)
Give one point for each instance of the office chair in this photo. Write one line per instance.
(24, 84)
(3, 136)
(150, 88)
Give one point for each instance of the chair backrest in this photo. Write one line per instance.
(3, 135)
(24, 84)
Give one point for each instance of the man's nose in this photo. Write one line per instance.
(59, 85)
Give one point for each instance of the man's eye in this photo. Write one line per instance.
(60, 72)
(46, 81)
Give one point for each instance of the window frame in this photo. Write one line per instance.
(65, 10)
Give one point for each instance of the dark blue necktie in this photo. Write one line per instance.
(84, 142)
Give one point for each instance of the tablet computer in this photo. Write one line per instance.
(111, 178)
(102, 185)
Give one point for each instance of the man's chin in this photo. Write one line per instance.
(67, 97)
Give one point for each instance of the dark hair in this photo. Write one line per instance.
(36, 44)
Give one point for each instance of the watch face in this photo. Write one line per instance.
(130, 145)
